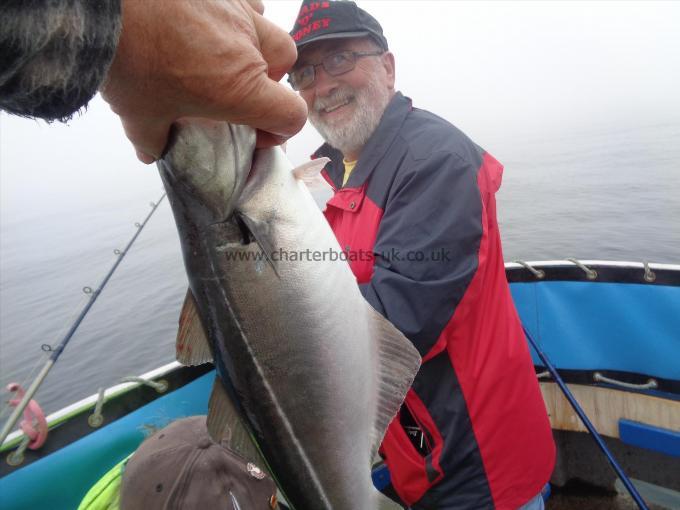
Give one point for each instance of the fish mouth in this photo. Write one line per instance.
(208, 162)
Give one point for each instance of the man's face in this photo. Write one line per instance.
(346, 109)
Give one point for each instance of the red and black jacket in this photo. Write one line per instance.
(421, 202)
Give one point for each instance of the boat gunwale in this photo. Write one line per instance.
(593, 271)
(66, 413)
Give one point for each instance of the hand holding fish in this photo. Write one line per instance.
(219, 59)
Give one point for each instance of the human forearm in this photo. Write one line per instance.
(218, 59)
(55, 55)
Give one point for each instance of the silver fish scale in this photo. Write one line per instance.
(308, 357)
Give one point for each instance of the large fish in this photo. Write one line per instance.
(307, 369)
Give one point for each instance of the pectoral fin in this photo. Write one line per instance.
(192, 346)
(261, 232)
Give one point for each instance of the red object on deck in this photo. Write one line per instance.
(34, 424)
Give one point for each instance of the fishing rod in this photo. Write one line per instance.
(584, 418)
(33, 388)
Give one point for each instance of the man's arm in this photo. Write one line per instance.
(55, 54)
(219, 59)
(433, 218)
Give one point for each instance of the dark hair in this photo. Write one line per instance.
(55, 55)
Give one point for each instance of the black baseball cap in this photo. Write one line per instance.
(334, 19)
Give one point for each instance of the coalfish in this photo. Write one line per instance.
(310, 375)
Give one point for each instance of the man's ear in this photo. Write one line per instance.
(388, 63)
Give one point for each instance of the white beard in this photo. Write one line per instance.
(350, 136)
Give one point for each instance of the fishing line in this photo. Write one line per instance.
(55, 352)
(586, 421)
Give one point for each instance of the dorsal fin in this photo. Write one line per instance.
(192, 346)
(398, 364)
(225, 425)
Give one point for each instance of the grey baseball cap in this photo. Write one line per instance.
(181, 468)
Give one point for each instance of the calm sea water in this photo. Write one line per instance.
(610, 194)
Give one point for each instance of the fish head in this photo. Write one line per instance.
(206, 166)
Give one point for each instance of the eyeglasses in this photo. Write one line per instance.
(335, 65)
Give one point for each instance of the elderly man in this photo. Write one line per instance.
(418, 195)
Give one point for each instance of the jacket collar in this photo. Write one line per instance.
(374, 150)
